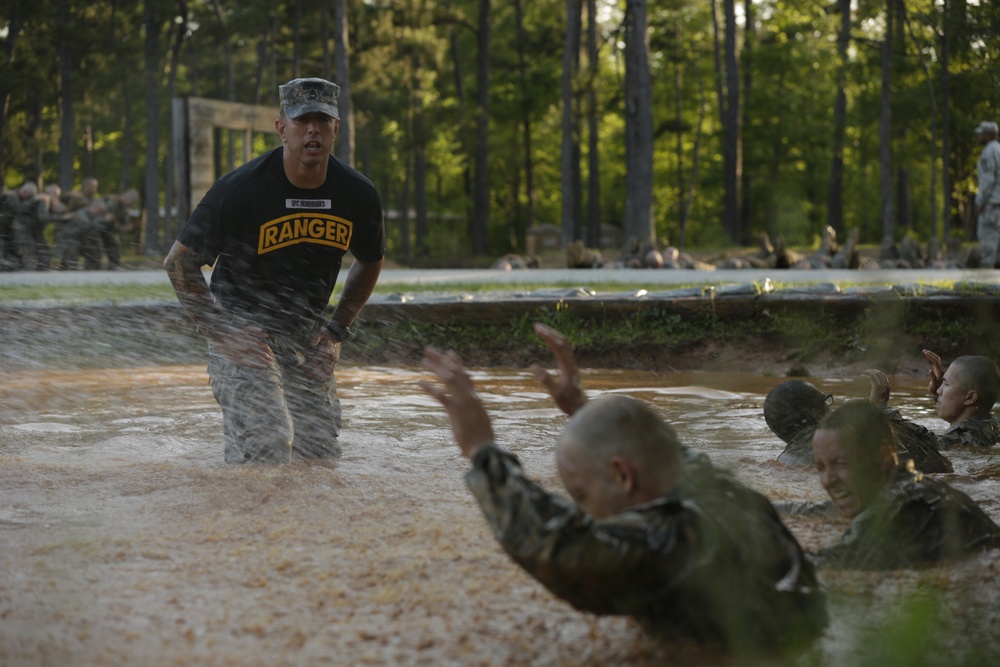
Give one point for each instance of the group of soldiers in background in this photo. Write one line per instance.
(86, 227)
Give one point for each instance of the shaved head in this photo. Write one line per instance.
(979, 374)
(612, 434)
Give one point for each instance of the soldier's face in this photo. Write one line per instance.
(591, 490)
(308, 139)
(851, 481)
(952, 396)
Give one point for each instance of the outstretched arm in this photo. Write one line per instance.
(358, 288)
(936, 372)
(469, 421)
(566, 390)
(244, 345)
(880, 389)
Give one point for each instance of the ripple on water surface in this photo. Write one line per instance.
(126, 536)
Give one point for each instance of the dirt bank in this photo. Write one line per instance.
(770, 334)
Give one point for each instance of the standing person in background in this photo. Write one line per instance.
(276, 230)
(60, 216)
(129, 227)
(988, 197)
(10, 259)
(80, 229)
(29, 228)
(90, 235)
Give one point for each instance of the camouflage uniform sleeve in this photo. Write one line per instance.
(874, 541)
(915, 521)
(989, 174)
(597, 566)
(919, 444)
(972, 432)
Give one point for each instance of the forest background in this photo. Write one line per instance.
(696, 123)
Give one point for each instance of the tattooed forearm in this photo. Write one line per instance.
(183, 266)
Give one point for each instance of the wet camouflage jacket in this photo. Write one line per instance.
(799, 452)
(972, 432)
(711, 561)
(913, 521)
(919, 444)
(913, 441)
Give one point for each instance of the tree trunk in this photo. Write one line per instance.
(679, 122)
(904, 217)
(946, 192)
(570, 126)
(904, 214)
(15, 23)
(835, 190)
(593, 134)
(932, 100)
(779, 154)
(324, 21)
(152, 195)
(297, 39)
(638, 224)
(262, 59)
(171, 225)
(695, 152)
(127, 138)
(404, 207)
(227, 50)
(463, 121)
(419, 158)
(717, 63)
(67, 126)
(33, 122)
(341, 47)
(479, 232)
(749, 35)
(529, 171)
(731, 129)
(885, 126)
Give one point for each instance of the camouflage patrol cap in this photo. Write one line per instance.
(792, 406)
(302, 96)
(987, 127)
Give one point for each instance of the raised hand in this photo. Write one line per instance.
(880, 387)
(565, 389)
(469, 421)
(936, 373)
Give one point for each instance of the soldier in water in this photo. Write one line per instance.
(652, 530)
(899, 518)
(794, 408)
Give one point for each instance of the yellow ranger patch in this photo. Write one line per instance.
(305, 228)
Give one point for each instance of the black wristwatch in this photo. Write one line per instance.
(339, 331)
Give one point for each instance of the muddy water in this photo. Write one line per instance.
(124, 539)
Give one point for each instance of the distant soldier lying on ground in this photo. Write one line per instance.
(899, 518)
(793, 410)
(655, 532)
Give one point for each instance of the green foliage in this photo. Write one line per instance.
(398, 48)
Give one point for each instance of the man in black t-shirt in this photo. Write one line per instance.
(276, 230)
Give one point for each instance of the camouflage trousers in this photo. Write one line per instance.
(271, 414)
(988, 232)
(29, 234)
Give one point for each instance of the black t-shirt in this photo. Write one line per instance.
(277, 248)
